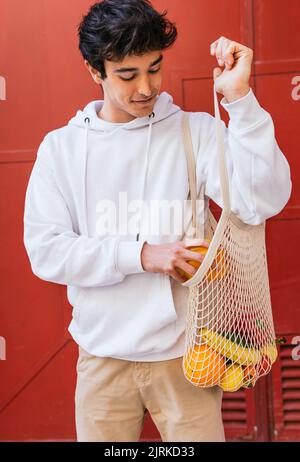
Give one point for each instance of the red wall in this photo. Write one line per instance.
(46, 83)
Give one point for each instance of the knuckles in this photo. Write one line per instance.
(222, 39)
(173, 260)
(169, 269)
(177, 251)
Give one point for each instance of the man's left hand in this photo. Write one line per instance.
(232, 78)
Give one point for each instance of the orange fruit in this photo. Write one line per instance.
(265, 365)
(218, 267)
(193, 263)
(202, 365)
(250, 376)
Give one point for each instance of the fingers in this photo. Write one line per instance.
(195, 242)
(190, 255)
(224, 50)
(190, 269)
(217, 73)
(228, 53)
(182, 254)
(213, 47)
(175, 275)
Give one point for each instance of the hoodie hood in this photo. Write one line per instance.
(89, 120)
(162, 109)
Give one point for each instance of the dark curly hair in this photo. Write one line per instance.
(113, 29)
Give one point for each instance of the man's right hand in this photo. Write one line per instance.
(165, 258)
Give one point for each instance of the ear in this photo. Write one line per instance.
(94, 73)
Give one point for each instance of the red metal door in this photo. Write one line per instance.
(43, 83)
(277, 71)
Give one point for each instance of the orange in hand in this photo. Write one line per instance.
(193, 263)
(217, 269)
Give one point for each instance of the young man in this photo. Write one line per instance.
(129, 306)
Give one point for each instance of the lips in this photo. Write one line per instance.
(144, 101)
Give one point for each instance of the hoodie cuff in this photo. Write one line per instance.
(129, 257)
(244, 112)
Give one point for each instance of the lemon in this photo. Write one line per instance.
(271, 351)
(233, 378)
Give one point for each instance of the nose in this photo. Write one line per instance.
(144, 88)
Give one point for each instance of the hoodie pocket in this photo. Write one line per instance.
(128, 318)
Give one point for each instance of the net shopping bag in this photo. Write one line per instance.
(230, 339)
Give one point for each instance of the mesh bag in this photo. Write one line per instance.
(230, 339)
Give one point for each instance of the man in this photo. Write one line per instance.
(123, 282)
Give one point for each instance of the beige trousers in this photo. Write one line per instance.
(113, 395)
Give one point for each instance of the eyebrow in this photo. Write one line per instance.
(131, 69)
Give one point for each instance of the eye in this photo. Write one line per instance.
(154, 72)
(131, 78)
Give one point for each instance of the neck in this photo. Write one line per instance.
(113, 116)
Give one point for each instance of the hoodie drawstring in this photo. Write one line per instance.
(151, 116)
(87, 122)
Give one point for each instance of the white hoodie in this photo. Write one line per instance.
(119, 310)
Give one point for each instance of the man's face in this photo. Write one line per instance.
(128, 84)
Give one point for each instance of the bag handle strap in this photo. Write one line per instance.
(191, 165)
(221, 156)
